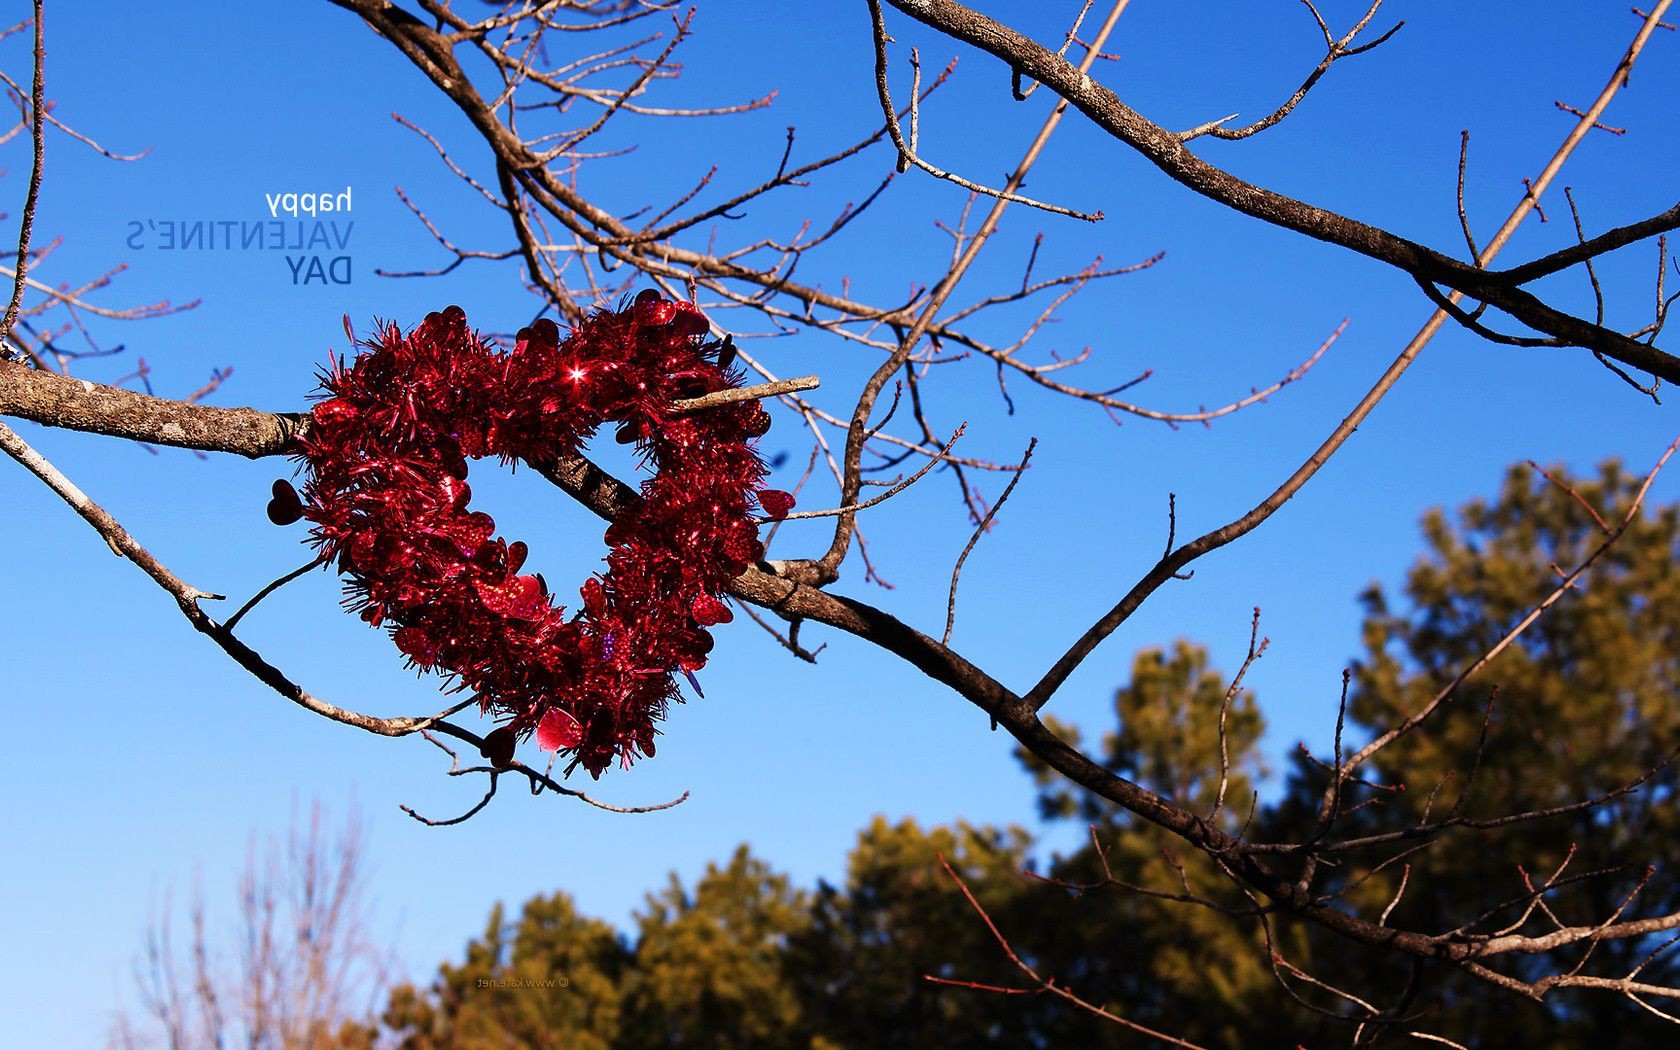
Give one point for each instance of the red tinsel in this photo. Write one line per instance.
(387, 454)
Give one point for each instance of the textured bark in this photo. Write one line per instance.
(62, 401)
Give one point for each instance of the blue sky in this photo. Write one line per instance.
(143, 756)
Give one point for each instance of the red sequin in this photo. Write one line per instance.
(776, 503)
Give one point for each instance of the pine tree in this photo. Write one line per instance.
(1582, 704)
(710, 966)
(551, 979)
(1157, 936)
(1586, 706)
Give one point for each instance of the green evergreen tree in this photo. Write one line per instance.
(1586, 703)
(1156, 934)
(711, 969)
(900, 919)
(1191, 967)
(1167, 739)
(552, 979)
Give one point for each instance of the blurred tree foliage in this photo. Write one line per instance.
(1586, 703)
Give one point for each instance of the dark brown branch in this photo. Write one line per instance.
(1174, 561)
(1590, 249)
(1167, 152)
(1335, 51)
(37, 113)
(1042, 983)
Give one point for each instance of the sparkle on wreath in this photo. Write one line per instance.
(387, 455)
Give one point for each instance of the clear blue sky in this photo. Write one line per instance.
(142, 756)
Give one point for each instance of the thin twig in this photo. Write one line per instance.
(1043, 983)
(984, 525)
(37, 105)
(745, 393)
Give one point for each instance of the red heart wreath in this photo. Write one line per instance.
(387, 453)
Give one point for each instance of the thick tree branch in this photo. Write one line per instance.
(263, 434)
(791, 588)
(1575, 254)
(76, 404)
(1168, 152)
(1173, 562)
(433, 54)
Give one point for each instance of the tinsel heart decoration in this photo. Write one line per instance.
(387, 453)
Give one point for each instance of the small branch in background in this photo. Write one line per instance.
(302, 963)
(1038, 985)
(907, 154)
(980, 529)
(895, 488)
(1255, 652)
(1600, 126)
(1642, 16)
(1534, 198)
(1463, 217)
(1335, 51)
(746, 393)
(1363, 755)
(233, 621)
(37, 135)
